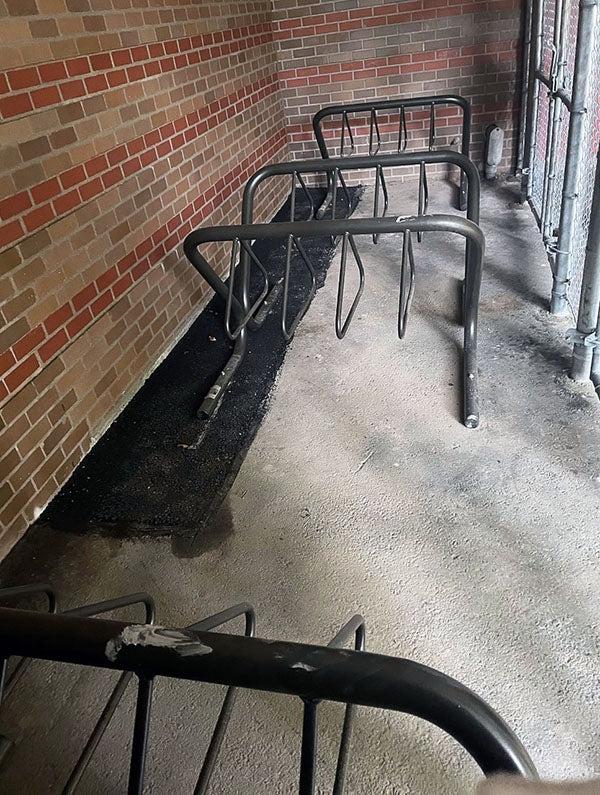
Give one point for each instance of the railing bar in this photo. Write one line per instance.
(141, 729)
(308, 752)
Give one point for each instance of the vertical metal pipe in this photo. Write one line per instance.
(139, 744)
(308, 753)
(555, 118)
(533, 90)
(581, 80)
(524, 84)
(595, 374)
(589, 303)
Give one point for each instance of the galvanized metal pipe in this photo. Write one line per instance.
(589, 302)
(555, 120)
(524, 84)
(533, 91)
(588, 12)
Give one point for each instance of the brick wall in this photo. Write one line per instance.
(121, 129)
(125, 124)
(354, 50)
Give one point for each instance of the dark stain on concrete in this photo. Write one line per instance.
(143, 477)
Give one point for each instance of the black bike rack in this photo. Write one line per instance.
(312, 673)
(342, 117)
(249, 312)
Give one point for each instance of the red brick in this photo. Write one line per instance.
(96, 165)
(121, 57)
(15, 105)
(58, 318)
(38, 217)
(54, 344)
(42, 97)
(23, 78)
(84, 296)
(122, 284)
(45, 190)
(117, 78)
(96, 83)
(27, 343)
(15, 205)
(67, 202)
(72, 89)
(101, 303)
(101, 61)
(7, 360)
(90, 189)
(79, 322)
(78, 66)
(50, 72)
(107, 278)
(112, 177)
(72, 177)
(20, 374)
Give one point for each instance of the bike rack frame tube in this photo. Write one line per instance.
(397, 104)
(241, 304)
(309, 672)
(366, 162)
(369, 226)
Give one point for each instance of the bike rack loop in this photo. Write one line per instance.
(470, 176)
(360, 226)
(312, 673)
(400, 104)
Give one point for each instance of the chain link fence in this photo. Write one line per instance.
(563, 135)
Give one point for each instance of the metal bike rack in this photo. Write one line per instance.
(347, 136)
(311, 673)
(238, 295)
(347, 228)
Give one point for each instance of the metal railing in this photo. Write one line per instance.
(251, 312)
(147, 652)
(389, 108)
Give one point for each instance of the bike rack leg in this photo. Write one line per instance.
(471, 303)
(214, 396)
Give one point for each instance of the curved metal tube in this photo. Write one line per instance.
(309, 672)
(364, 162)
(400, 105)
(369, 226)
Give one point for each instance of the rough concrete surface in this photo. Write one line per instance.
(473, 551)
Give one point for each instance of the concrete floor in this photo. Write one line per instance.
(474, 551)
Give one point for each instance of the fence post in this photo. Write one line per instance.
(533, 87)
(581, 79)
(589, 303)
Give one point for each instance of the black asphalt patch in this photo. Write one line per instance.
(142, 477)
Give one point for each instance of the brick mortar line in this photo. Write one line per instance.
(131, 158)
(424, 56)
(378, 16)
(81, 78)
(271, 146)
(116, 101)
